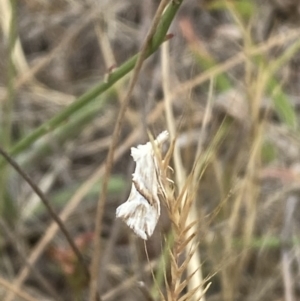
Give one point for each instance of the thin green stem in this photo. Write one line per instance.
(87, 97)
(8, 103)
(7, 109)
(144, 53)
(64, 133)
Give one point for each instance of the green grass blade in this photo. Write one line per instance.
(86, 98)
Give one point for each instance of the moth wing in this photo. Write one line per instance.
(137, 152)
(145, 174)
(146, 170)
(138, 214)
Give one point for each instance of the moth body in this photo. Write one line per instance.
(142, 209)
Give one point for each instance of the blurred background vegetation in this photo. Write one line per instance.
(233, 73)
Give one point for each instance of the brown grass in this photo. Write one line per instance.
(225, 85)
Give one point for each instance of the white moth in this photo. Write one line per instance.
(142, 209)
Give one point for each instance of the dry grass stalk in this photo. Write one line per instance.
(195, 283)
(109, 161)
(242, 236)
(179, 210)
(20, 293)
(18, 55)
